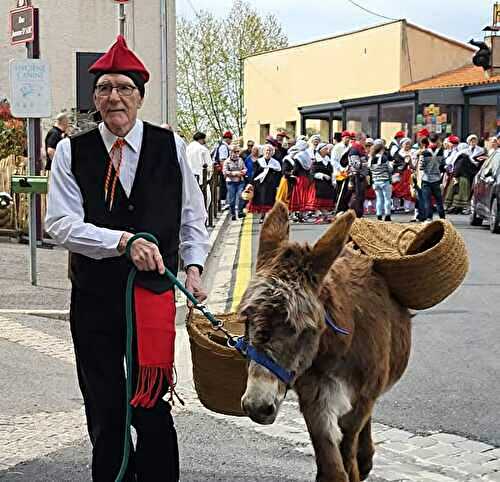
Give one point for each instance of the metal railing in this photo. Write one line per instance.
(210, 188)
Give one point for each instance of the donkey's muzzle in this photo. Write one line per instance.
(263, 413)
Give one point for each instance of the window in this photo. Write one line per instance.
(291, 128)
(483, 115)
(317, 126)
(85, 80)
(264, 132)
(363, 119)
(396, 116)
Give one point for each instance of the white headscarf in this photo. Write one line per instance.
(315, 137)
(304, 159)
(298, 147)
(267, 165)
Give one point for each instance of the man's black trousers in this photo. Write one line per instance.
(98, 329)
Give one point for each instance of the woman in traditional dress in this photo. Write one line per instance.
(266, 177)
(324, 182)
(370, 196)
(288, 180)
(302, 199)
(401, 192)
(314, 141)
(465, 167)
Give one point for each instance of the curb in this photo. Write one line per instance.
(64, 314)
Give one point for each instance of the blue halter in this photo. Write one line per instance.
(250, 352)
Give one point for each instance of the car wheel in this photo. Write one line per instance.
(495, 217)
(473, 219)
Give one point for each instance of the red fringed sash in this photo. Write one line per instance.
(155, 326)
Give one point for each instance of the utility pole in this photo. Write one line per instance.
(168, 62)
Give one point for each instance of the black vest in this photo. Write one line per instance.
(154, 206)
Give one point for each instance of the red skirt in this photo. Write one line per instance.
(323, 203)
(370, 193)
(261, 209)
(401, 189)
(303, 195)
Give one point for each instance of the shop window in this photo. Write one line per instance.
(396, 116)
(337, 128)
(483, 115)
(264, 132)
(442, 119)
(363, 119)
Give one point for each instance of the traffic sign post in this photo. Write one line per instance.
(30, 98)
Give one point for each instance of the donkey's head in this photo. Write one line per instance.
(281, 307)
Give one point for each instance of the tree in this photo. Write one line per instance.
(210, 53)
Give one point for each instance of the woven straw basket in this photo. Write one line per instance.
(219, 372)
(422, 264)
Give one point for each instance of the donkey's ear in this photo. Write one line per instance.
(275, 230)
(329, 246)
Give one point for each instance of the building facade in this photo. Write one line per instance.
(351, 81)
(73, 33)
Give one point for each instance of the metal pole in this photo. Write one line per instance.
(171, 63)
(163, 66)
(32, 200)
(122, 18)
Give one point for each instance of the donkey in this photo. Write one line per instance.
(337, 377)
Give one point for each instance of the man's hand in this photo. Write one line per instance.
(194, 284)
(144, 254)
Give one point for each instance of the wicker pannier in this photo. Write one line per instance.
(422, 264)
(219, 372)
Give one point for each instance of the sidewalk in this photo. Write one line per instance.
(51, 297)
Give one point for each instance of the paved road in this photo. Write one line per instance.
(43, 435)
(451, 384)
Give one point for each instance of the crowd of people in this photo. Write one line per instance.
(317, 179)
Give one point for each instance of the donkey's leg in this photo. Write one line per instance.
(352, 424)
(320, 413)
(366, 450)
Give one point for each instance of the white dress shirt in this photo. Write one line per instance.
(197, 156)
(65, 214)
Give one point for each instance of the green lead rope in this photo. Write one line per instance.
(129, 310)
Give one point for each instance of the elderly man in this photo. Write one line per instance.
(54, 136)
(125, 177)
(198, 155)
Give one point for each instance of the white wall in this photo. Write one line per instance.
(70, 26)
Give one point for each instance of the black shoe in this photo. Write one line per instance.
(241, 215)
(387, 218)
(233, 217)
(379, 218)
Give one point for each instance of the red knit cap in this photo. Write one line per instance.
(227, 135)
(119, 58)
(399, 135)
(454, 140)
(346, 134)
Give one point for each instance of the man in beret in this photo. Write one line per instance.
(124, 177)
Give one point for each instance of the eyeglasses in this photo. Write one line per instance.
(105, 90)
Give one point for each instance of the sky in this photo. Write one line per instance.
(311, 19)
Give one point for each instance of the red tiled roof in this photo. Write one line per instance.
(463, 76)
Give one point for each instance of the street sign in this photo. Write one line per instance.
(30, 90)
(122, 1)
(21, 25)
